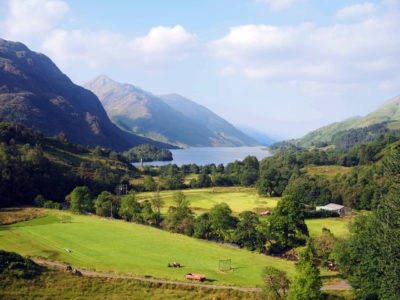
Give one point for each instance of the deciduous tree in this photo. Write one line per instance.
(307, 283)
(81, 200)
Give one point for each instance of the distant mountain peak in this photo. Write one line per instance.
(169, 118)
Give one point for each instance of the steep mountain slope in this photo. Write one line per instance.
(35, 93)
(146, 114)
(205, 117)
(389, 111)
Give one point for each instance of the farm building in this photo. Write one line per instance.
(340, 209)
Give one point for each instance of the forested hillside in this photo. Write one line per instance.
(33, 165)
(384, 117)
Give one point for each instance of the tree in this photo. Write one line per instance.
(250, 171)
(148, 215)
(81, 200)
(106, 204)
(172, 177)
(286, 225)
(324, 244)
(203, 180)
(157, 203)
(370, 257)
(149, 183)
(248, 232)
(306, 284)
(130, 209)
(221, 220)
(202, 227)
(176, 215)
(276, 284)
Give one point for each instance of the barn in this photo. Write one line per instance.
(340, 209)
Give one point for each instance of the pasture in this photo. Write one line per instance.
(338, 226)
(117, 246)
(201, 200)
(329, 172)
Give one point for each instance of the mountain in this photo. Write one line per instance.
(205, 117)
(156, 117)
(35, 93)
(259, 136)
(387, 113)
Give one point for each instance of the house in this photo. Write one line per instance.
(340, 209)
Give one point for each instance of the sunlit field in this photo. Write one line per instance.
(201, 200)
(117, 246)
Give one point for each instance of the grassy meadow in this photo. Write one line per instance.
(338, 226)
(201, 200)
(327, 171)
(55, 284)
(117, 246)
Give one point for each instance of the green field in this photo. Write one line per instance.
(238, 199)
(327, 171)
(338, 226)
(120, 247)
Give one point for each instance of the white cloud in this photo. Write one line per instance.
(165, 43)
(278, 5)
(315, 58)
(357, 11)
(161, 46)
(32, 18)
(42, 24)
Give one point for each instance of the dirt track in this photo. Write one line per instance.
(340, 286)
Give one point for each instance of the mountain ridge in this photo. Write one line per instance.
(34, 92)
(388, 111)
(152, 116)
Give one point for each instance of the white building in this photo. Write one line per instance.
(340, 209)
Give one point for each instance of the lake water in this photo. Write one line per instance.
(211, 155)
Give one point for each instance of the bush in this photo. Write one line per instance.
(51, 204)
(14, 265)
(313, 214)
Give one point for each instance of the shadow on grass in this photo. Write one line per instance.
(336, 276)
(5, 228)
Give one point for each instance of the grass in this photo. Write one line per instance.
(14, 215)
(338, 226)
(59, 285)
(117, 246)
(201, 200)
(327, 171)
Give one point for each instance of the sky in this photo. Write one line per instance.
(283, 67)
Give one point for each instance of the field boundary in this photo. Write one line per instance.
(339, 286)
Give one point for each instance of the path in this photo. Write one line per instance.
(339, 286)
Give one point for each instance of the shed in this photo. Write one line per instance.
(340, 209)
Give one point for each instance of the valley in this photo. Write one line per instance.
(309, 218)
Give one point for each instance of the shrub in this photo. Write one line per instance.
(14, 265)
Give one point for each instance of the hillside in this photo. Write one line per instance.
(205, 117)
(33, 165)
(389, 111)
(35, 93)
(145, 114)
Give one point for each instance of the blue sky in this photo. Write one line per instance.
(283, 67)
